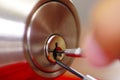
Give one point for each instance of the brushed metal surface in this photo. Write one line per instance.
(25, 26)
(13, 16)
(51, 18)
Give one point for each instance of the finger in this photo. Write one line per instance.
(94, 53)
(103, 45)
(106, 27)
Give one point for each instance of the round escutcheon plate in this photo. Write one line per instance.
(52, 19)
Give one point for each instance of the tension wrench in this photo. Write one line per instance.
(73, 53)
(75, 72)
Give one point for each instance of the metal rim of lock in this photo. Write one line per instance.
(55, 42)
(51, 19)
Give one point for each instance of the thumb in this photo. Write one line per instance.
(102, 46)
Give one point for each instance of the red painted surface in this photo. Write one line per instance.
(22, 71)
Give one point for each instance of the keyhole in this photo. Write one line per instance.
(56, 53)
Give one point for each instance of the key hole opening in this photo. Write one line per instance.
(56, 53)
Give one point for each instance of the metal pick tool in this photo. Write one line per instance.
(75, 72)
(73, 53)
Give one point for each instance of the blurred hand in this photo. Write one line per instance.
(102, 44)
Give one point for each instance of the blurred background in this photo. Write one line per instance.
(111, 72)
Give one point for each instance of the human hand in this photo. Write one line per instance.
(102, 44)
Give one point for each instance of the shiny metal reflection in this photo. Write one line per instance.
(25, 27)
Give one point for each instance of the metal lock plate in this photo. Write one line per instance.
(52, 22)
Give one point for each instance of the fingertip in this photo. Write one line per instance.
(93, 52)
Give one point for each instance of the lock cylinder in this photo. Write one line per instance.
(55, 43)
(36, 31)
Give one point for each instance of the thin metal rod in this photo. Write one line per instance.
(70, 69)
